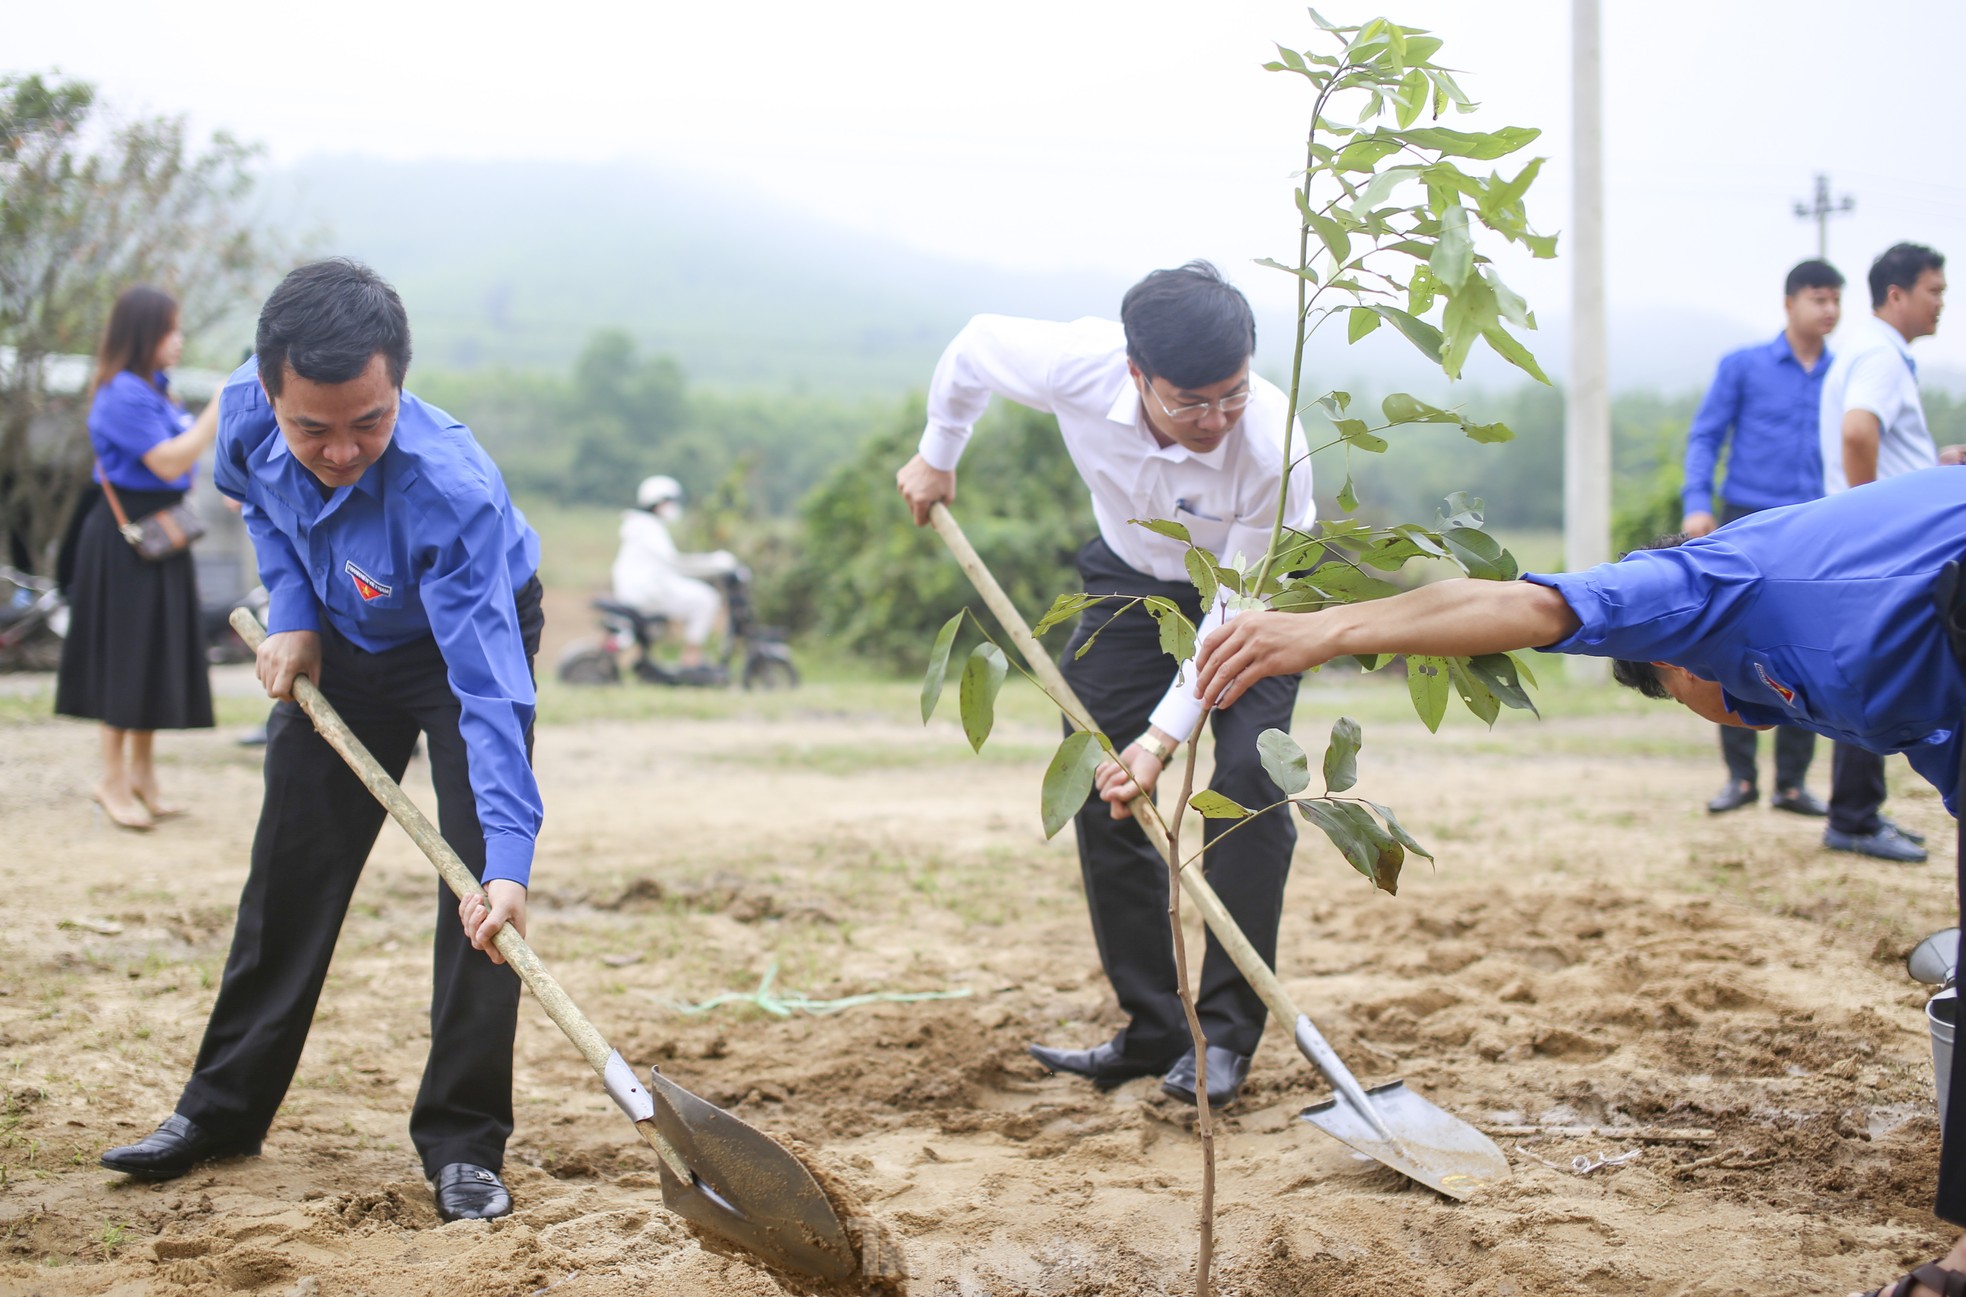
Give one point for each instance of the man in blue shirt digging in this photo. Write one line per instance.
(1766, 396)
(1845, 615)
(401, 580)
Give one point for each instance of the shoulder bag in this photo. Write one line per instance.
(155, 537)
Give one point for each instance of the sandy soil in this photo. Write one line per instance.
(1592, 949)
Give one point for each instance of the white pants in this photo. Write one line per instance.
(691, 603)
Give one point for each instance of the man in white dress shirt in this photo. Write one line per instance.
(1164, 420)
(1873, 427)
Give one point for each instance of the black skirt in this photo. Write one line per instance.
(134, 658)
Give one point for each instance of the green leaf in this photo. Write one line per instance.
(1363, 155)
(1177, 633)
(1485, 145)
(1162, 527)
(1359, 322)
(1068, 779)
(1417, 331)
(1291, 58)
(1202, 573)
(1302, 272)
(1283, 761)
(1331, 234)
(1426, 683)
(1348, 495)
(1335, 404)
(1345, 582)
(1341, 756)
(1399, 832)
(1497, 671)
(1462, 510)
(1214, 806)
(1063, 609)
(1378, 189)
(982, 678)
(938, 664)
(1480, 555)
(1297, 552)
(1514, 352)
(1474, 693)
(1401, 408)
(1412, 98)
(1453, 255)
(1522, 669)
(1370, 849)
(1488, 434)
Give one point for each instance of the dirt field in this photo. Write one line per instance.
(1592, 949)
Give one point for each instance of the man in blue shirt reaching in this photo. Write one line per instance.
(1766, 397)
(1845, 615)
(401, 580)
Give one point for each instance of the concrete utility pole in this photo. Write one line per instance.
(1587, 410)
(1821, 210)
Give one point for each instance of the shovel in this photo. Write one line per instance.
(1388, 1123)
(717, 1173)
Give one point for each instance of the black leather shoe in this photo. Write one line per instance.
(467, 1192)
(1103, 1065)
(1227, 1070)
(1797, 801)
(1885, 844)
(1886, 822)
(174, 1148)
(1732, 797)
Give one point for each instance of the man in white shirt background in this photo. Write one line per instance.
(1873, 426)
(1163, 420)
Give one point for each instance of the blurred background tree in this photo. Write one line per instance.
(88, 207)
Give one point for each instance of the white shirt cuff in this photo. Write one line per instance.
(942, 446)
(1179, 709)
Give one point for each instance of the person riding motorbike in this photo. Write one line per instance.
(654, 577)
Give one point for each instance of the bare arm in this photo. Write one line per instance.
(1860, 434)
(1462, 618)
(176, 456)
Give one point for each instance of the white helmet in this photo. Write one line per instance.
(659, 489)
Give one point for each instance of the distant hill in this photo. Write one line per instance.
(516, 264)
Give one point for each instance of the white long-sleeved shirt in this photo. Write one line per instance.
(1226, 498)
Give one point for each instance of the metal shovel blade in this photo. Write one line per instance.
(1393, 1125)
(1936, 959)
(746, 1187)
(1434, 1147)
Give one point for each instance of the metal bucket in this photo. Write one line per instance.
(1942, 1016)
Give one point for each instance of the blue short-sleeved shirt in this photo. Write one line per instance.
(1818, 615)
(425, 543)
(127, 420)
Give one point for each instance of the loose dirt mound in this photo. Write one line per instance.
(1593, 951)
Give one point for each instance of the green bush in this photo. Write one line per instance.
(863, 577)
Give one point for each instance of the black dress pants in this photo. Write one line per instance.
(316, 828)
(1795, 747)
(1856, 790)
(1120, 680)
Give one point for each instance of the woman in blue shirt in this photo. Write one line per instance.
(134, 658)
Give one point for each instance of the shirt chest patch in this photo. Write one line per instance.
(365, 585)
(1781, 690)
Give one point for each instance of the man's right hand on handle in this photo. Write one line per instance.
(922, 484)
(286, 655)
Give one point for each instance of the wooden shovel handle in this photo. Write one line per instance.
(1052, 681)
(544, 986)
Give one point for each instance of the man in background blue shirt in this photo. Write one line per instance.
(401, 580)
(1836, 615)
(1766, 396)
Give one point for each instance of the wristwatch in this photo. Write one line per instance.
(1151, 742)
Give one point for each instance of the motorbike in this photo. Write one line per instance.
(766, 660)
(33, 621)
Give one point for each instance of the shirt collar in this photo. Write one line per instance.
(1897, 339)
(1127, 411)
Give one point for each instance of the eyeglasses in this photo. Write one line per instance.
(1230, 404)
